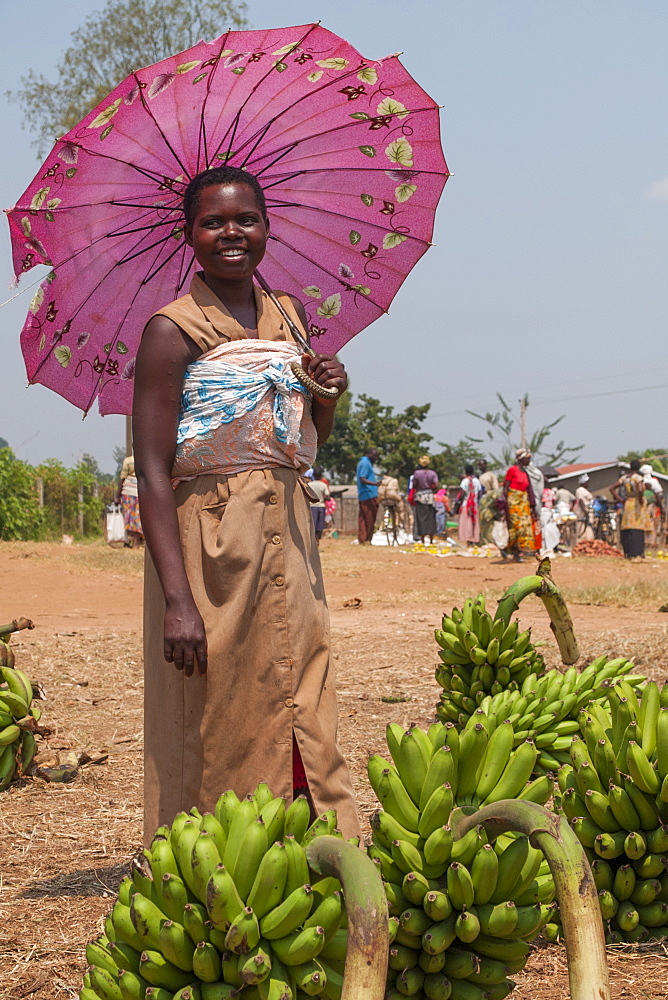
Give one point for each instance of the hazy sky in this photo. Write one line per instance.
(549, 270)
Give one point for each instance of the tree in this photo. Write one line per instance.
(118, 456)
(365, 423)
(656, 457)
(503, 431)
(3, 443)
(125, 35)
(20, 514)
(449, 463)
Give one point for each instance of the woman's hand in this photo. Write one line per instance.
(185, 639)
(328, 372)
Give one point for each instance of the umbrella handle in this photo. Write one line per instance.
(311, 384)
(298, 371)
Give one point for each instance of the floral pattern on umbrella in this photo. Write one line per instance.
(347, 150)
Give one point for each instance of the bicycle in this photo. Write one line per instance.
(390, 522)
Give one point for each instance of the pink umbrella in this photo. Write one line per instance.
(346, 149)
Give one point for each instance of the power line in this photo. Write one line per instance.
(565, 399)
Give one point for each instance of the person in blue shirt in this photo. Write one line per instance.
(367, 496)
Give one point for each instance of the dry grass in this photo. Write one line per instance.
(647, 594)
(80, 558)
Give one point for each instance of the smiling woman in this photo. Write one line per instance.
(234, 598)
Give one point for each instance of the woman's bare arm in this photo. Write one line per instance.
(163, 357)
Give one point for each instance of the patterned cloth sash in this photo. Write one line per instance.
(242, 408)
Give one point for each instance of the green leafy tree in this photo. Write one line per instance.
(125, 35)
(504, 433)
(449, 463)
(65, 492)
(3, 443)
(20, 514)
(656, 457)
(366, 422)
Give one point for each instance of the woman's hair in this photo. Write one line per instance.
(634, 464)
(423, 461)
(468, 469)
(214, 177)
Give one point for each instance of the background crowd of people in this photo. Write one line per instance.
(521, 514)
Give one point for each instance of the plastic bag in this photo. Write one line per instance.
(114, 524)
(500, 534)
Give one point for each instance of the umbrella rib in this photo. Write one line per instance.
(183, 274)
(149, 174)
(81, 304)
(163, 263)
(329, 83)
(324, 270)
(202, 139)
(331, 131)
(235, 121)
(155, 122)
(351, 218)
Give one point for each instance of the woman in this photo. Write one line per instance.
(584, 531)
(524, 535)
(630, 490)
(424, 485)
(236, 631)
(466, 502)
(129, 501)
(442, 501)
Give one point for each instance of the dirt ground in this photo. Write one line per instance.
(64, 848)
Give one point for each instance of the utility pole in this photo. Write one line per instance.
(523, 413)
(128, 436)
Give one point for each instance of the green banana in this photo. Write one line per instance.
(484, 874)
(244, 933)
(298, 873)
(204, 859)
(222, 899)
(297, 818)
(195, 921)
(207, 964)
(460, 886)
(285, 918)
(269, 884)
(252, 850)
(441, 770)
(438, 938)
(225, 808)
(300, 947)
(515, 774)
(244, 814)
(176, 945)
(391, 793)
(146, 919)
(157, 971)
(438, 846)
(173, 895)
(496, 758)
(437, 906)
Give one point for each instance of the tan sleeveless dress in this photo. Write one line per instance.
(254, 570)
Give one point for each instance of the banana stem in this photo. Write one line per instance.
(561, 622)
(573, 879)
(365, 971)
(16, 626)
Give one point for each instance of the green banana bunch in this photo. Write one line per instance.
(480, 656)
(461, 912)
(224, 902)
(17, 719)
(547, 708)
(614, 792)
